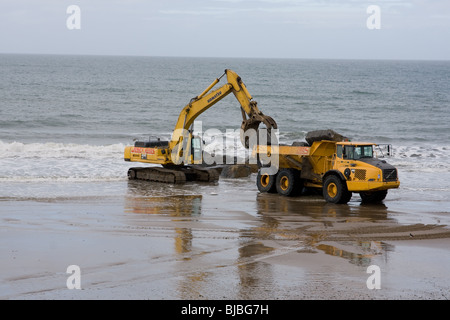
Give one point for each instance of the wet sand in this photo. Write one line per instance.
(224, 242)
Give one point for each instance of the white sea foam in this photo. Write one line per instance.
(83, 162)
(50, 161)
(53, 150)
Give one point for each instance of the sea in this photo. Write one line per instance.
(65, 120)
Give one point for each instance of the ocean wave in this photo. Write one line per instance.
(61, 162)
(56, 150)
(75, 179)
(68, 162)
(363, 92)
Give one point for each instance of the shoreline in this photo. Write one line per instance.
(220, 242)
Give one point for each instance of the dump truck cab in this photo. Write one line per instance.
(361, 171)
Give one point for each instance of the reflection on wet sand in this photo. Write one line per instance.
(370, 250)
(362, 229)
(315, 208)
(163, 200)
(174, 206)
(208, 246)
(253, 273)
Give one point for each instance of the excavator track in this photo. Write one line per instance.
(156, 174)
(199, 173)
(174, 174)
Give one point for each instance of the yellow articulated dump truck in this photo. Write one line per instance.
(330, 163)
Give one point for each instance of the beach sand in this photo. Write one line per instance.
(223, 241)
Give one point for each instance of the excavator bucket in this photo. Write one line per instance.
(251, 125)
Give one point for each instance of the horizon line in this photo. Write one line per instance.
(219, 57)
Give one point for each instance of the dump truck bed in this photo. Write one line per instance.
(312, 161)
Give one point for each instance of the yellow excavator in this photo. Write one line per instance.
(181, 158)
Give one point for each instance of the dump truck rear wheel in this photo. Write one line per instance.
(335, 190)
(266, 182)
(373, 197)
(288, 183)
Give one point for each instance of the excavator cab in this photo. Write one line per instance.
(196, 150)
(189, 150)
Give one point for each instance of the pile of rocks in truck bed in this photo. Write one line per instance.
(320, 135)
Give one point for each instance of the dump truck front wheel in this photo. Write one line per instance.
(335, 190)
(266, 182)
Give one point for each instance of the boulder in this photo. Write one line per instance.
(320, 135)
(237, 171)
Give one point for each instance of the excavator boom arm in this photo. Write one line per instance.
(194, 109)
(251, 115)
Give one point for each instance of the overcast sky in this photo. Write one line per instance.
(336, 29)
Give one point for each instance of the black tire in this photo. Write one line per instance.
(289, 183)
(335, 190)
(266, 182)
(373, 197)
